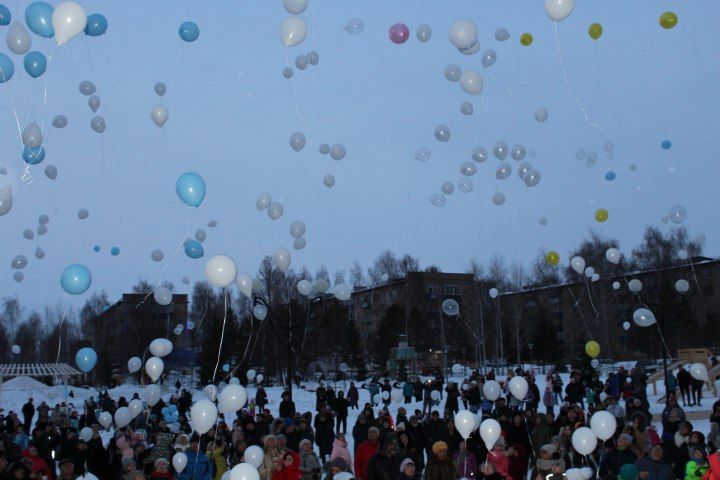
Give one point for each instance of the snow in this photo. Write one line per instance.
(24, 384)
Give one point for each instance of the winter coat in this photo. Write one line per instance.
(548, 398)
(161, 476)
(440, 469)
(408, 389)
(287, 409)
(341, 407)
(340, 450)
(290, 472)
(220, 462)
(382, 467)
(614, 459)
(714, 463)
(198, 467)
(693, 471)
(465, 464)
(363, 453)
(324, 434)
(451, 403)
(360, 433)
(320, 399)
(434, 430)
(310, 466)
(658, 469)
(353, 395)
(684, 379)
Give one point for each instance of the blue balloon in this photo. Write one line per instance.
(194, 249)
(33, 156)
(610, 176)
(96, 25)
(226, 368)
(5, 16)
(85, 359)
(96, 248)
(75, 279)
(38, 16)
(114, 251)
(666, 144)
(35, 64)
(190, 187)
(189, 31)
(7, 69)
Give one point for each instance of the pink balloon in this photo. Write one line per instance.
(399, 33)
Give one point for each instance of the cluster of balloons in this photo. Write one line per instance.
(302, 62)
(275, 210)
(293, 29)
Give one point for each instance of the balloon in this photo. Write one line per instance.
(423, 33)
(450, 307)
(160, 88)
(501, 35)
(190, 187)
(259, 378)
(438, 200)
(466, 108)
(468, 169)
(479, 154)
(136, 407)
(435, 395)
(666, 144)
(490, 432)
(179, 461)
(244, 471)
(595, 277)
(189, 31)
(75, 279)
(211, 390)
(398, 33)
(452, 73)
(86, 87)
(503, 171)
(161, 347)
(699, 372)
(489, 57)
(85, 359)
(288, 72)
(464, 423)
(122, 417)
(314, 57)
(293, 31)
(465, 185)
(559, 9)
(552, 258)
(60, 121)
(541, 114)
(96, 25)
(98, 124)
(342, 292)
(601, 215)
(295, 7)
(324, 148)
(677, 214)
(194, 249)
(157, 255)
(668, 20)
(613, 255)
(471, 82)
(260, 312)
(18, 41)
(344, 368)
(354, 26)
(19, 262)
(134, 364)
(524, 169)
(42, 230)
(329, 180)
(297, 141)
(251, 374)
(595, 31)
(643, 317)
(635, 285)
(186, 280)
(518, 387)
(491, 390)
(39, 253)
(159, 115)
(302, 62)
(254, 456)
(32, 135)
(154, 368)
(463, 33)
(396, 396)
(532, 177)
(500, 150)
(578, 264)
(232, 398)
(275, 210)
(114, 251)
(83, 214)
(244, 283)
(86, 434)
(603, 424)
(543, 221)
(592, 348)
(584, 441)
(18, 277)
(263, 201)
(385, 395)
(38, 17)
(152, 394)
(68, 20)
(35, 64)
(33, 156)
(447, 188)
(526, 39)
(442, 133)
(221, 271)
(498, 198)
(105, 419)
(589, 272)
(518, 152)
(337, 152)
(682, 286)
(5, 15)
(321, 285)
(626, 325)
(304, 287)
(282, 259)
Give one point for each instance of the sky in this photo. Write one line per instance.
(232, 114)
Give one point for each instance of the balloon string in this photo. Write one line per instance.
(695, 51)
(663, 339)
(62, 320)
(499, 82)
(567, 82)
(587, 285)
(576, 303)
(222, 337)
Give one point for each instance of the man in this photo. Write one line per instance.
(415, 430)
(67, 470)
(198, 465)
(684, 379)
(28, 411)
(320, 397)
(287, 406)
(385, 464)
(434, 431)
(617, 457)
(653, 467)
(364, 452)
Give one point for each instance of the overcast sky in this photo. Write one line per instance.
(232, 113)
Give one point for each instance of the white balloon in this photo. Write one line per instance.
(616, 285)
(574, 474)
(518, 387)
(105, 419)
(603, 424)
(493, 292)
(578, 264)
(152, 394)
(282, 259)
(86, 434)
(613, 255)
(18, 38)
(626, 325)
(136, 407)
(275, 210)
(122, 417)
(491, 390)
(244, 283)
(297, 229)
(154, 368)
(260, 312)
(179, 461)
(595, 277)
(397, 396)
(385, 395)
(159, 115)
(203, 415)
(293, 31)
(463, 34)
(251, 374)
(134, 364)
(457, 369)
(160, 347)
(682, 254)
(163, 296)
(295, 7)
(232, 398)
(584, 441)
(304, 287)
(682, 286)
(68, 20)
(234, 381)
(643, 317)
(465, 423)
(635, 285)
(471, 82)
(221, 271)
(244, 471)
(263, 201)
(15, 349)
(589, 272)
(259, 378)
(490, 432)
(559, 9)
(699, 372)
(586, 473)
(342, 292)
(210, 391)
(254, 456)
(435, 395)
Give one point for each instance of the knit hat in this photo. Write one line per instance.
(626, 436)
(304, 441)
(549, 448)
(437, 446)
(405, 463)
(374, 429)
(628, 472)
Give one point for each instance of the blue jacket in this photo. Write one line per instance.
(198, 467)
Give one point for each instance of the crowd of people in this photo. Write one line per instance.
(40, 441)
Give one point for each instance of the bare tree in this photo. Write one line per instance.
(357, 276)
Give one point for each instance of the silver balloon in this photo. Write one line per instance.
(479, 154)
(212, 223)
(6, 199)
(591, 156)
(86, 87)
(32, 136)
(275, 210)
(28, 234)
(503, 171)
(160, 89)
(609, 147)
(422, 154)
(324, 148)
(489, 57)
(297, 141)
(447, 188)
(337, 151)
(677, 214)
(94, 103)
(442, 133)
(541, 114)
(302, 62)
(18, 276)
(523, 169)
(51, 172)
(465, 185)
(39, 253)
(43, 220)
(83, 214)
(288, 72)
(423, 33)
(468, 169)
(263, 201)
(329, 180)
(18, 38)
(157, 255)
(543, 221)
(98, 124)
(313, 57)
(532, 178)
(19, 262)
(452, 73)
(200, 235)
(297, 229)
(438, 200)
(580, 154)
(498, 198)
(501, 35)
(518, 152)
(354, 26)
(159, 115)
(60, 121)
(466, 108)
(500, 150)
(299, 243)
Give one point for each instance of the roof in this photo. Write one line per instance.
(37, 370)
(23, 383)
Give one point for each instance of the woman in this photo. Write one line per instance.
(341, 411)
(162, 470)
(353, 396)
(217, 456)
(439, 466)
(289, 468)
(340, 448)
(271, 459)
(324, 434)
(408, 470)
(406, 449)
(498, 457)
(309, 461)
(465, 462)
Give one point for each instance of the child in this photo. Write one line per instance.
(697, 466)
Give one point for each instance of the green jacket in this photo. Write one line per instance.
(693, 471)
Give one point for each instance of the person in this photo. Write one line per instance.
(261, 397)
(28, 411)
(341, 411)
(320, 397)
(287, 406)
(670, 384)
(439, 466)
(697, 466)
(340, 449)
(353, 396)
(697, 386)
(407, 470)
(67, 470)
(198, 464)
(161, 471)
(653, 467)
(434, 430)
(465, 462)
(427, 398)
(324, 434)
(547, 459)
(549, 400)
(309, 461)
(271, 458)
(217, 453)
(684, 380)
(365, 451)
(617, 457)
(289, 467)
(386, 387)
(385, 463)
(408, 388)
(451, 403)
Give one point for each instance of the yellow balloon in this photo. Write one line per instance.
(526, 39)
(595, 31)
(592, 348)
(552, 258)
(668, 20)
(601, 215)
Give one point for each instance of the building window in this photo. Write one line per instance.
(555, 305)
(453, 290)
(394, 294)
(432, 290)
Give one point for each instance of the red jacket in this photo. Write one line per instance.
(713, 472)
(363, 453)
(289, 472)
(38, 464)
